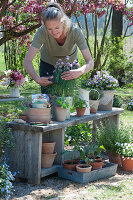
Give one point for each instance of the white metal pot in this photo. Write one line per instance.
(84, 94)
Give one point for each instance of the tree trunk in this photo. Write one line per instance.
(117, 23)
(117, 28)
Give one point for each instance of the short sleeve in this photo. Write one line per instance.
(39, 38)
(80, 39)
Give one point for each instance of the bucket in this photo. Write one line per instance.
(84, 94)
(106, 101)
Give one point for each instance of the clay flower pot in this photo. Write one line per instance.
(60, 113)
(70, 164)
(84, 168)
(97, 164)
(81, 112)
(48, 159)
(39, 115)
(127, 163)
(94, 106)
(48, 147)
(114, 158)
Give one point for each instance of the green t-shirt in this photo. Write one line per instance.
(51, 51)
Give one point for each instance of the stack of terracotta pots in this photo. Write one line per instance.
(48, 154)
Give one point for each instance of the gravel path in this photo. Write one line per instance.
(55, 188)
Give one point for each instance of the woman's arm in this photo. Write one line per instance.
(72, 74)
(43, 81)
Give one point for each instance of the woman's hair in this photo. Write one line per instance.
(55, 11)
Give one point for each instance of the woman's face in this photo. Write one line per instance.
(54, 27)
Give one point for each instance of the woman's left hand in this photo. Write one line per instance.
(71, 74)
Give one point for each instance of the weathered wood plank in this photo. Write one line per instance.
(74, 120)
(33, 146)
(48, 171)
(17, 154)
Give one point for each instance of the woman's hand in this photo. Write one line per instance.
(44, 81)
(71, 74)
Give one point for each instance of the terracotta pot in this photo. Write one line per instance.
(127, 163)
(70, 164)
(84, 168)
(48, 147)
(80, 113)
(48, 159)
(94, 106)
(114, 158)
(39, 115)
(60, 114)
(97, 164)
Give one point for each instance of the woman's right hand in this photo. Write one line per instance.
(44, 81)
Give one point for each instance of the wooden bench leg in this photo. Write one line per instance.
(33, 148)
(58, 137)
(26, 156)
(97, 123)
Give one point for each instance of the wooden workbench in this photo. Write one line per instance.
(26, 157)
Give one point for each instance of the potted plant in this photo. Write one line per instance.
(61, 105)
(80, 105)
(94, 98)
(84, 165)
(61, 86)
(72, 162)
(126, 152)
(14, 80)
(107, 83)
(108, 135)
(94, 155)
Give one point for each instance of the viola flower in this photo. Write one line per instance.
(103, 81)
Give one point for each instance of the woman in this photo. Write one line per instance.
(57, 38)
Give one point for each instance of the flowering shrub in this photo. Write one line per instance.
(61, 86)
(6, 138)
(103, 81)
(5, 181)
(125, 149)
(130, 105)
(13, 79)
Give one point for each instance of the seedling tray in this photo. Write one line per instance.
(108, 170)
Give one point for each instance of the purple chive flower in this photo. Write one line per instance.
(67, 57)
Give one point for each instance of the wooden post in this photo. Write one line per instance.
(33, 148)
(58, 137)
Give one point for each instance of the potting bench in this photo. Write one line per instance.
(5, 98)
(26, 157)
